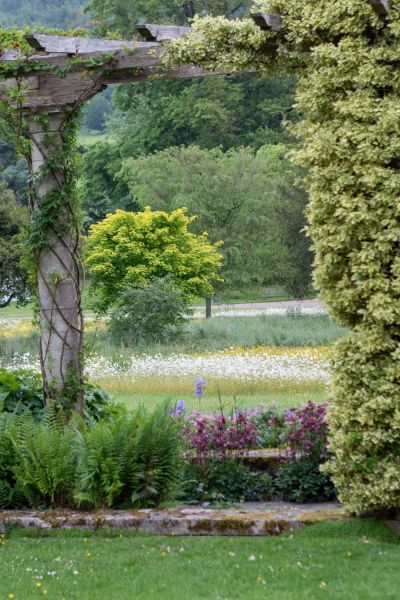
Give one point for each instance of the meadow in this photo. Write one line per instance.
(246, 361)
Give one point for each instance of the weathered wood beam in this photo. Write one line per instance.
(381, 7)
(268, 21)
(30, 83)
(161, 33)
(50, 91)
(143, 54)
(74, 45)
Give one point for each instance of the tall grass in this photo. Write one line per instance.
(223, 333)
(207, 335)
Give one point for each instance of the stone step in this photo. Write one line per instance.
(263, 459)
(253, 519)
(266, 460)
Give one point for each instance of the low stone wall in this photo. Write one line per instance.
(254, 519)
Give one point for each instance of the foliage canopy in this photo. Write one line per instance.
(243, 197)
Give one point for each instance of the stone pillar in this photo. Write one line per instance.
(58, 266)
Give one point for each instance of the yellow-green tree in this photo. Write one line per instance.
(133, 249)
(346, 56)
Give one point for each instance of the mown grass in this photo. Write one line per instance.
(89, 139)
(212, 403)
(13, 311)
(350, 560)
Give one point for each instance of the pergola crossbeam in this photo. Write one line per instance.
(381, 7)
(74, 45)
(119, 62)
(162, 33)
(268, 21)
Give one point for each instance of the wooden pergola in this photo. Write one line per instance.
(59, 273)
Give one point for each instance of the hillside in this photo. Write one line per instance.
(49, 13)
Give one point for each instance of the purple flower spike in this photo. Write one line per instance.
(180, 407)
(199, 388)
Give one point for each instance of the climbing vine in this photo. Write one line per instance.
(346, 58)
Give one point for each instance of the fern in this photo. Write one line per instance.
(104, 455)
(44, 467)
(158, 459)
(133, 460)
(10, 493)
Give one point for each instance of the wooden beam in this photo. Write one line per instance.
(144, 54)
(268, 21)
(381, 7)
(74, 45)
(161, 33)
(30, 83)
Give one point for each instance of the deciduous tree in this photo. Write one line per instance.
(13, 276)
(132, 249)
(243, 197)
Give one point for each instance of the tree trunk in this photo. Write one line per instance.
(58, 266)
(208, 307)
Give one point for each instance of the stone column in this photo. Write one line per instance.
(58, 266)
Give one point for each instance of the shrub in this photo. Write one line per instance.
(270, 424)
(224, 480)
(306, 431)
(99, 405)
(10, 493)
(158, 458)
(219, 436)
(299, 478)
(20, 391)
(154, 313)
(133, 460)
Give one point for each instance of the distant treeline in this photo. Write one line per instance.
(49, 13)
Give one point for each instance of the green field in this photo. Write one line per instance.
(211, 403)
(89, 139)
(350, 560)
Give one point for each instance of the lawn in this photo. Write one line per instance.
(211, 402)
(350, 560)
(89, 139)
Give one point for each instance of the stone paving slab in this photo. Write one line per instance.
(253, 519)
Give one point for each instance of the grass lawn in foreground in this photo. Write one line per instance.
(211, 404)
(350, 560)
